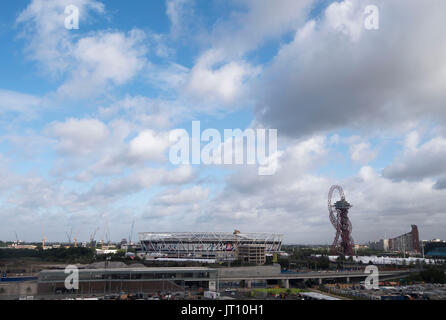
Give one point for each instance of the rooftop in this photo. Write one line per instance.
(126, 270)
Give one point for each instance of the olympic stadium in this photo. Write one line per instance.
(220, 246)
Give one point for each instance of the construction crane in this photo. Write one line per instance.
(102, 239)
(92, 236)
(17, 237)
(43, 239)
(75, 238)
(131, 233)
(69, 235)
(107, 236)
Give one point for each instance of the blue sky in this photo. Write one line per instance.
(85, 116)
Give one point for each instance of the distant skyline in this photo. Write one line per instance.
(85, 116)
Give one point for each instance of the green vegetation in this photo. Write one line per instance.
(79, 255)
(299, 251)
(430, 275)
(303, 258)
(274, 291)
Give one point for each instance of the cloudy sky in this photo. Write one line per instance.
(85, 116)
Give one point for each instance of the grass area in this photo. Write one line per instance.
(280, 290)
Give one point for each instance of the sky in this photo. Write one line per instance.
(86, 114)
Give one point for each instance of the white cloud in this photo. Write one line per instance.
(79, 136)
(419, 162)
(296, 204)
(18, 102)
(142, 112)
(178, 11)
(149, 146)
(344, 17)
(336, 74)
(16, 107)
(89, 63)
(48, 40)
(412, 141)
(220, 74)
(139, 180)
(185, 196)
(333, 74)
(222, 84)
(168, 77)
(104, 59)
(257, 22)
(361, 152)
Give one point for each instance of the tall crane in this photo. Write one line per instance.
(75, 238)
(69, 234)
(102, 239)
(131, 232)
(76, 235)
(92, 236)
(107, 236)
(17, 237)
(43, 239)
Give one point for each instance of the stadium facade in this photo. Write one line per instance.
(221, 246)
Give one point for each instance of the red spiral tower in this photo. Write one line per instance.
(343, 242)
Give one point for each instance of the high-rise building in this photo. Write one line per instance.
(252, 253)
(382, 245)
(408, 242)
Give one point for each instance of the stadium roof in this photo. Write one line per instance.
(219, 236)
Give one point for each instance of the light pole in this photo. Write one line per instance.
(422, 248)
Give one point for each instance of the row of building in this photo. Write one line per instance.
(410, 243)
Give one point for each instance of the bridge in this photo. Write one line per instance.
(319, 276)
(106, 280)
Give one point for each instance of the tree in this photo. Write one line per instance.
(323, 262)
(433, 276)
(284, 263)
